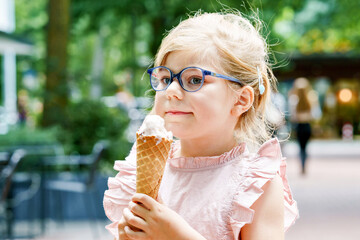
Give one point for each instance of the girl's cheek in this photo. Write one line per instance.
(157, 109)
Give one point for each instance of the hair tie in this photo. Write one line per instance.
(261, 85)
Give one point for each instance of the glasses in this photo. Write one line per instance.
(191, 79)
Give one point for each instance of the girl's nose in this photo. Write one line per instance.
(175, 90)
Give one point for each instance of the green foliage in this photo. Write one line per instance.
(89, 121)
(31, 20)
(317, 26)
(22, 135)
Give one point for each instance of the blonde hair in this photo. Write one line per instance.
(229, 42)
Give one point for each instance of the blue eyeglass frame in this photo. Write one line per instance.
(204, 73)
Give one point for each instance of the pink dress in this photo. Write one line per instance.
(213, 194)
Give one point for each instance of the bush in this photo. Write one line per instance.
(22, 135)
(86, 123)
(89, 121)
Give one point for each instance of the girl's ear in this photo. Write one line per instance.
(244, 101)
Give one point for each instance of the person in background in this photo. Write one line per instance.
(22, 105)
(302, 103)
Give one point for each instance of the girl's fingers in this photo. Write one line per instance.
(147, 202)
(123, 235)
(133, 234)
(135, 221)
(138, 210)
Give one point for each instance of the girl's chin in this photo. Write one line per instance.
(177, 131)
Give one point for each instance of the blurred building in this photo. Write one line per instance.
(10, 47)
(336, 79)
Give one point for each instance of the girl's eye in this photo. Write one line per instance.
(195, 80)
(165, 80)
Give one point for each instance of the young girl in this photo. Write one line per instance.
(225, 177)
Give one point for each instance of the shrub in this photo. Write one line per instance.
(89, 121)
(22, 135)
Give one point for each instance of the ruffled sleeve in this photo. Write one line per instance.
(258, 169)
(121, 188)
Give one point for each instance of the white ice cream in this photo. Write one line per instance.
(154, 125)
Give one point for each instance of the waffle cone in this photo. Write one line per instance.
(151, 154)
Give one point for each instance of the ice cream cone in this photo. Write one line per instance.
(152, 153)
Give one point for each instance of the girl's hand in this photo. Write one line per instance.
(121, 226)
(146, 219)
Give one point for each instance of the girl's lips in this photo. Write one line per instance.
(177, 113)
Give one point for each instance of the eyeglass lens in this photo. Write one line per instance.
(191, 78)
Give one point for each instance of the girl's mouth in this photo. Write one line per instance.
(177, 113)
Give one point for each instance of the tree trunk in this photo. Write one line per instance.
(158, 24)
(56, 87)
(97, 67)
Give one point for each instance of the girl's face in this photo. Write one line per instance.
(205, 114)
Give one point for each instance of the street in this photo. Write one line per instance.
(328, 198)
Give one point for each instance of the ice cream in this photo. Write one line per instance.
(154, 125)
(153, 143)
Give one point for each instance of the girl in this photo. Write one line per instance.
(213, 84)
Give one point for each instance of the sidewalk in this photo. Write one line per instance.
(81, 230)
(328, 196)
(329, 149)
(328, 199)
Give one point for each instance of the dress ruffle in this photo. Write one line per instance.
(121, 188)
(203, 162)
(258, 170)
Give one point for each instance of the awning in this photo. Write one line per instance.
(333, 66)
(15, 44)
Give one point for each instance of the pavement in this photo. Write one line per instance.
(328, 196)
(77, 230)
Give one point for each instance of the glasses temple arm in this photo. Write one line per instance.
(224, 77)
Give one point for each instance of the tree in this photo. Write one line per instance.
(56, 87)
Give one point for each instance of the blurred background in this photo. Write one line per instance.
(73, 92)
